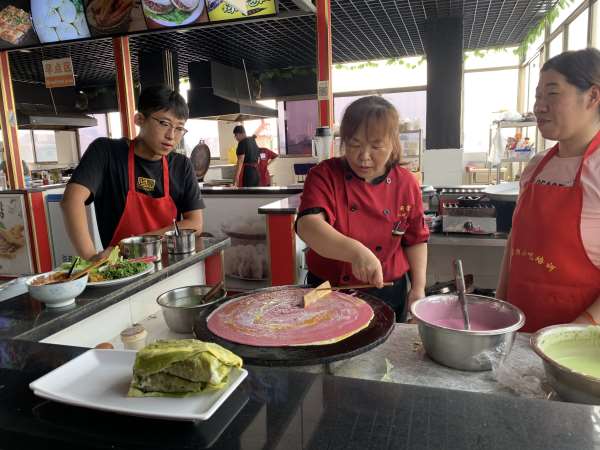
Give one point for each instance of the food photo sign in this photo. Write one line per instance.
(33, 23)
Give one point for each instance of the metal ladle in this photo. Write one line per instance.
(460, 286)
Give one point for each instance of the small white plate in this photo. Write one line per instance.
(99, 379)
(118, 281)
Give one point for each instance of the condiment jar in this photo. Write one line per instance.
(134, 337)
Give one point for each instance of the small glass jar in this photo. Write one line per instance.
(134, 337)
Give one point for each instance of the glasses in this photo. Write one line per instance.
(165, 124)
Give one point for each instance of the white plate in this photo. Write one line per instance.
(99, 379)
(122, 280)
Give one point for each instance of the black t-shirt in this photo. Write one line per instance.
(249, 148)
(103, 170)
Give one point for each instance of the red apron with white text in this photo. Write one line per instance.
(551, 277)
(142, 212)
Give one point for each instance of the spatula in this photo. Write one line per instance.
(88, 269)
(325, 289)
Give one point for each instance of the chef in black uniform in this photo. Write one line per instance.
(246, 171)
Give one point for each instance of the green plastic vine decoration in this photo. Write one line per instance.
(540, 28)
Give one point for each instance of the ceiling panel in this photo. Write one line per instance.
(361, 29)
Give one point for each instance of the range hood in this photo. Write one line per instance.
(221, 92)
(55, 122)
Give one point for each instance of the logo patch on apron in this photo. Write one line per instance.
(146, 184)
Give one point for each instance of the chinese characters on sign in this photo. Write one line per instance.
(58, 72)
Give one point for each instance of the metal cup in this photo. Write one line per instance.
(184, 242)
(141, 246)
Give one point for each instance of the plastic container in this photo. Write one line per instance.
(134, 337)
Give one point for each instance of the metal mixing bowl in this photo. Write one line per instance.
(467, 349)
(185, 242)
(181, 305)
(570, 385)
(142, 246)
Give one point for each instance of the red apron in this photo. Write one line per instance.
(142, 212)
(551, 277)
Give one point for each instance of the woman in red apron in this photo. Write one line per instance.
(362, 214)
(551, 268)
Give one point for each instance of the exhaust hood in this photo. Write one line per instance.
(221, 92)
(54, 122)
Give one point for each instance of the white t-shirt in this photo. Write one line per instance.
(562, 171)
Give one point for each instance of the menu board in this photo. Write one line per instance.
(29, 23)
(174, 13)
(16, 28)
(114, 17)
(223, 10)
(59, 20)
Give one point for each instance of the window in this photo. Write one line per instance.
(565, 13)
(578, 32)
(556, 46)
(535, 46)
(114, 125)
(90, 134)
(484, 94)
(44, 146)
(412, 72)
(411, 107)
(486, 59)
(301, 118)
(26, 146)
(265, 131)
(533, 77)
(596, 25)
(205, 130)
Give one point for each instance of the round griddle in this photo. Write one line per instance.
(376, 333)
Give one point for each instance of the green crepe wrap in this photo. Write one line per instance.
(180, 368)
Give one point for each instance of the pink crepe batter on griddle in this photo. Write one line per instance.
(277, 318)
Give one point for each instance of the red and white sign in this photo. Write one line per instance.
(58, 72)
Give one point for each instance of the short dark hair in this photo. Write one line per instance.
(239, 129)
(373, 112)
(162, 98)
(581, 68)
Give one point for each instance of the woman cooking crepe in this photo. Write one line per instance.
(551, 267)
(362, 214)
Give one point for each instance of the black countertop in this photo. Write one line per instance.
(284, 409)
(26, 318)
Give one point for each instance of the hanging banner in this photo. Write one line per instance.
(58, 72)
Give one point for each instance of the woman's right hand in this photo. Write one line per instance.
(367, 268)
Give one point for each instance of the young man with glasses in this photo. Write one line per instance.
(140, 186)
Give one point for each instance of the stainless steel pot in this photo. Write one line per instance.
(467, 349)
(181, 305)
(184, 242)
(142, 246)
(570, 385)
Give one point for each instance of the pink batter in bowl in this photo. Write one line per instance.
(493, 327)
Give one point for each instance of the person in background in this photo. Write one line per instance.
(266, 157)
(362, 214)
(246, 171)
(200, 158)
(140, 186)
(551, 266)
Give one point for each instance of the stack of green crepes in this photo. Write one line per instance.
(180, 368)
